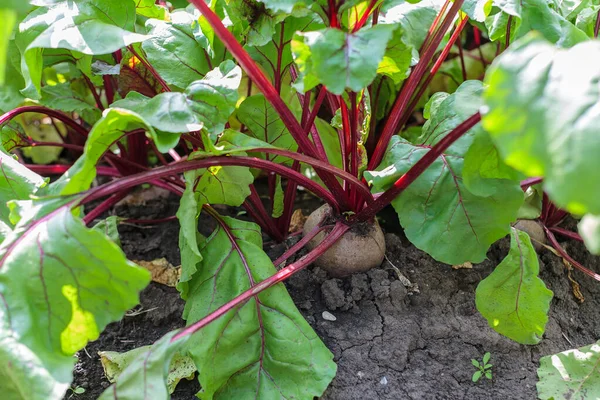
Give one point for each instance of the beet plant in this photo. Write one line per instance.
(365, 104)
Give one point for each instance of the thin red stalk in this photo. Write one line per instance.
(309, 127)
(567, 257)
(354, 148)
(347, 136)
(597, 26)
(60, 169)
(104, 206)
(530, 182)
(94, 92)
(49, 112)
(56, 144)
(279, 58)
(265, 226)
(363, 19)
(177, 168)
(300, 244)
(289, 198)
(434, 26)
(109, 89)
(416, 170)
(280, 276)
(477, 39)
(150, 221)
(167, 185)
(432, 72)
(508, 32)
(462, 58)
(566, 233)
(409, 87)
(151, 69)
(257, 77)
(333, 20)
(259, 207)
(320, 165)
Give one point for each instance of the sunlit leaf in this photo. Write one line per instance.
(513, 298)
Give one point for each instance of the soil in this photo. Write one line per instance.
(392, 339)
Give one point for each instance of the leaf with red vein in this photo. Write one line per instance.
(513, 299)
(439, 213)
(60, 285)
(262, 349)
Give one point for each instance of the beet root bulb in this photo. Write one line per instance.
(535, 231)
(358, 250)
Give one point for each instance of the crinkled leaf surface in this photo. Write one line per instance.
(513, 299)
(262, 349)
(149, 372)
(543, 118)
(477, 10)
(207, 102)
(86, 26)
(415, 19)
(439, 214)
(397, 58)
(267, 56)
(60, 285)
(179, 50)
(149, 8)
(573, 374)
(141, 372)
(534, 15)
(263, 123)
(340, 60)
(64, 97)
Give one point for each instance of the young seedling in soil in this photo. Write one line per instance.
(335, 97)
(483, 368)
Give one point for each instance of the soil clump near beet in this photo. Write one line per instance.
(406, 330)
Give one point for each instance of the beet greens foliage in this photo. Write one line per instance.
(363, 103)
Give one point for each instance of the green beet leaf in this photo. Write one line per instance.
(60, 285)
(482, 163)
(88, 27)
(415, 20)
(207, 103)
(513, 298)
(589, 229)
(438, 212)
(533, 15)
(179, 50)
(340, 60)
(113, 124)
(261, 349)
(17, 182)
(542, 119)
(267, 56)
(572, 374)
(397, 58)
(264, 124)
(149, 9)
(147, 372)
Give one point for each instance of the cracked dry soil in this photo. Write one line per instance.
(390, 341)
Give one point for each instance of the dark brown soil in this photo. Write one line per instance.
(390, 341)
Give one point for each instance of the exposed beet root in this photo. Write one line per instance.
(360, 249)
(534, 230)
